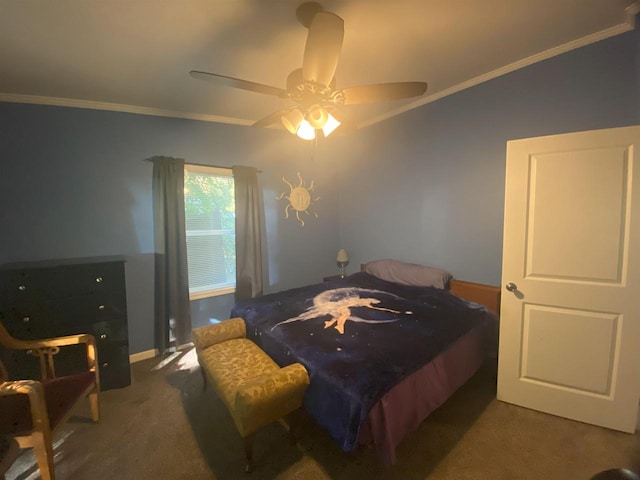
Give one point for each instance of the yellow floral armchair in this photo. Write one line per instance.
(255, 390)
(32, 411)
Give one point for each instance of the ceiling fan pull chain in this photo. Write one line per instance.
(314, 150)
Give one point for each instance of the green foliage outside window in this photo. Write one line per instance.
(210, 223)
(208, 194)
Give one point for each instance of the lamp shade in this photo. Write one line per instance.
(331, 124)
(342, 256)
(317, 116)
(292, 120)
(306, 131)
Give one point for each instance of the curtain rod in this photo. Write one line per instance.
(150, 160)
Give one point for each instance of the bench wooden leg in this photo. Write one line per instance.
(204, 379)
(291, 425)
(248, 451)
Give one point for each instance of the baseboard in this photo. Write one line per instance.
(138, 357)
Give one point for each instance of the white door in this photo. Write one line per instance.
(570, 312)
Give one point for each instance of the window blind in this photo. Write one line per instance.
(210, 230)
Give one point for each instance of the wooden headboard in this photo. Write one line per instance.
(487, 295)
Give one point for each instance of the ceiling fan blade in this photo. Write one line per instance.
(381, 92)
(322, 50)
(272, 118)
(238, 83)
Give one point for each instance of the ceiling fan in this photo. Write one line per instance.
(312, 89)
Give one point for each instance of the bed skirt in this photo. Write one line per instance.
(403, 408)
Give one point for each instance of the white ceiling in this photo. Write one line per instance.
(135, 55)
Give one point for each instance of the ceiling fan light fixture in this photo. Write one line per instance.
(331, 125)
(312, 88)
(292, 120)
(306, 131)
(317, 116)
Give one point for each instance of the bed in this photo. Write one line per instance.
(384, 347)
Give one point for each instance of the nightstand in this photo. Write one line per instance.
(331, 278)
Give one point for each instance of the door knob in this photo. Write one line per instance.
(512, 287)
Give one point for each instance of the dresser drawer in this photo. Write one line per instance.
(22, 286)
(89, 278)
(63, 316)
(25, 285)
(114, 366)
(109, 332)
(28, 322)
(74, 314)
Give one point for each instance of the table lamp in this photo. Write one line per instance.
(342, 260)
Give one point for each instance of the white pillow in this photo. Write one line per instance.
(409, 273)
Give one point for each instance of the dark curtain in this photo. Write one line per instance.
(172, 313)
(248, 236)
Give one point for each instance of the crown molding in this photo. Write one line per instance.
(118, 107)
(629, 24)
(631, 11)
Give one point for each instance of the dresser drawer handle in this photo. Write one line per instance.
(105, 364)
(99, 280)
(22, 288)
(25, 319)
(103, 336)
(100, 307)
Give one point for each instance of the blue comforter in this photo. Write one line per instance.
(357, 337)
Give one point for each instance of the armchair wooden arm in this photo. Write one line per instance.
(45, 349)
(17, 344)
(33, 410)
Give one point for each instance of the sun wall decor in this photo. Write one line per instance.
(299, 198)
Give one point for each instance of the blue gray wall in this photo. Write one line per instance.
(428, 186)
(73, 183)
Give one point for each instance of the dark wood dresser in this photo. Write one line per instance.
(64, 297)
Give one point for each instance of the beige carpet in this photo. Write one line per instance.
(164, 426)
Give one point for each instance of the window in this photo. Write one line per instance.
(210, 226)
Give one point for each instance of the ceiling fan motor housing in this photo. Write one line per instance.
(312, 88)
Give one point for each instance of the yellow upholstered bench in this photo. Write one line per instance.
(255, 390)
